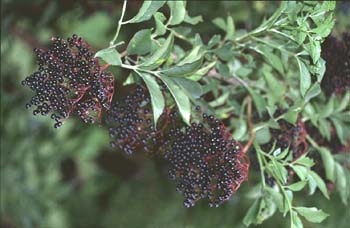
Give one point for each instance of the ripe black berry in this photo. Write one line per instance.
(337, 56)
(69, 80)
(288, 135)
(130, 123)
(205, 162)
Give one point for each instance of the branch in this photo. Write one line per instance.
(120, 22)
(250, 127)
(214, 74)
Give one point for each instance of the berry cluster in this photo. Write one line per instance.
(130, 123)
(291, 136)
(337, 56)
(288, 135)
(69, 80)
(205, 162)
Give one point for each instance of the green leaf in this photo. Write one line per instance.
(315, 50)
(230, 28)
(305, 161)
(328, 162)
(325, 28)
(314, 91)
(291, 116)
(279, 171)
(194, 55)
(329, 108)
(271, 58)
(297, 186)
(345, 102)
(157, 98)
(296, 221)
(259, 101)
(320, 183)
(305, 77)
(338, 125)
(110, 56)
(222, 99)
(243, 71)
(240, 130)
(159, 18)
(301, 171)
(177, 11)
(267, 209)
(201, 72)
(321, 70)
(146, 11)
(220, 23)
(129, 80)
(341, 182)
(280, 154)
(223, 69)
(225, 52)
(287, 198)
(252, 213)
(312, 214)
(192, 88)
(262, 136)
(215, 40)
(276, 196)
(300, 36)
(181, 99)
(276, 87)
(193, 20)
(325, 128)
(140, 43)
(184, 70)
(161, 55)
(312, 185)
(345, 192)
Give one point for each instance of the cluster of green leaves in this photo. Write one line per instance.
(159, 58)
(277, 65)
(278, 165)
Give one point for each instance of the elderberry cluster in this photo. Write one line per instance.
(69, 80)
(288, 135)
(337, 56)
(130, 123)
(205, 162)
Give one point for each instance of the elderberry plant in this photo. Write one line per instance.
(276, 95)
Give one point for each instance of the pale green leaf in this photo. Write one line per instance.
(230, 29)
(312, 214)
(297, 186)
(110, 56)
(159, 18)
(219, 22)
(328, 162)
(157, 98)
(305, 77)
(320, 183)
(146, 11)
(184, 70)
(161, 55)
(182, 101)
(140, 43)
(177, 11)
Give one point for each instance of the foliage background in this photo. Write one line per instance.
(70, 177)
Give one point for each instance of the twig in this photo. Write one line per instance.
(120, 22)
(214, 74)
(250, 126)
